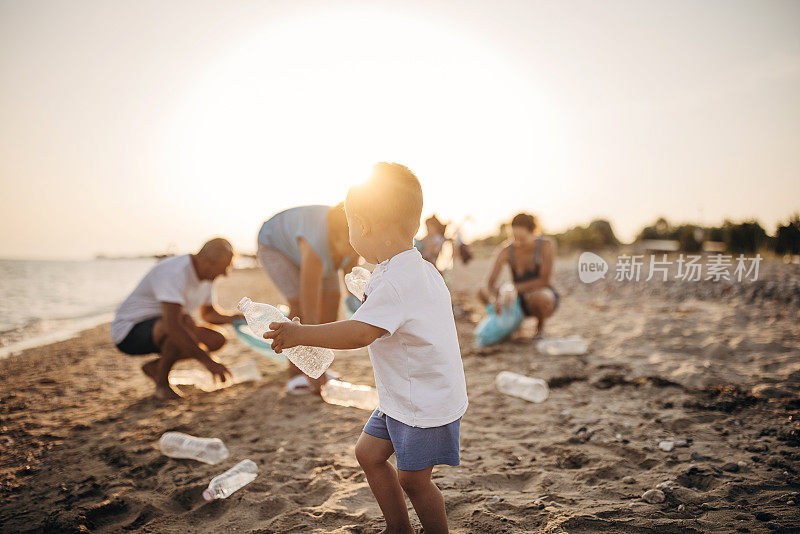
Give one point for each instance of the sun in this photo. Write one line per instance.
(300, 111)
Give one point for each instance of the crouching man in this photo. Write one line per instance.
(155, 318)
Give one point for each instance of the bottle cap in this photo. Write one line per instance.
(208, 495)
(243, 304)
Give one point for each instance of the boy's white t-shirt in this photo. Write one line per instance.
(417, 363)
(170, 280)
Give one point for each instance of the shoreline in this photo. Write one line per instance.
(42, 340)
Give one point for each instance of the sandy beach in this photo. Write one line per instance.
(715, 366)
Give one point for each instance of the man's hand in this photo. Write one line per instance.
(219, 371)
(284, 335)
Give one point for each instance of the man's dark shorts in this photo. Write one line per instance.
(140, 339)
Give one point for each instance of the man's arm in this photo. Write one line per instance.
(310, 283)
(211, 315)
(347, 334)
(172, 314)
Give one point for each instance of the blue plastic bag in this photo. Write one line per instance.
(351, 304)
(495, 328)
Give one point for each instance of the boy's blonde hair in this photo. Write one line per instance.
(391, 197)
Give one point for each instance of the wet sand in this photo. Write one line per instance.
(78, 427)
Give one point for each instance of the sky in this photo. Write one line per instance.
(141, 127)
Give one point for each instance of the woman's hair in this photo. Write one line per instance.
(337, 223)
(524, 220)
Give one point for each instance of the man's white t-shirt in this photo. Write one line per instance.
(170, 280)
(417, 363)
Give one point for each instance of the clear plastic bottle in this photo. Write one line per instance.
(199, 378)
(238, 476)
(313, 361)
(524, 387)
(356, 281)
(565, 346)
(179, 445)
(347, 394)
(506, 296)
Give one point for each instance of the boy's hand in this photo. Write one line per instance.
(284, 335)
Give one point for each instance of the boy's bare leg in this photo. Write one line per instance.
(426, 498)
(372, 454)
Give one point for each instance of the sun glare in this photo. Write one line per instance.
(299, 112)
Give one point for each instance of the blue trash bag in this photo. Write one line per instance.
(495, 328)
(351, 304)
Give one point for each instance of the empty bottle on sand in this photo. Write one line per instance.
(524, 387)
(347, 394)
(313, 361)
(563, 346)
(179, 445)
(356, 281)
(238, 476)
(199, 378)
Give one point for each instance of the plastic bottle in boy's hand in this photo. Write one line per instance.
(356, 281)
(313, 361)
(222, 486)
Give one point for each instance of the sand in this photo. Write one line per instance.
(79, 429)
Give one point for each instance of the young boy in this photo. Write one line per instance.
(407, 321)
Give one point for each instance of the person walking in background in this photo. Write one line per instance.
(155, 318)
(302, 250)
(430, 246)
(530, 257)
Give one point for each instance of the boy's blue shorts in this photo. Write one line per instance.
(417, 448)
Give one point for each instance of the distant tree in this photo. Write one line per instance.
(744, 238)
(715, 233)
(787, 237)
(689, 236)
(603, 228)
(598, 235)
(659, 230)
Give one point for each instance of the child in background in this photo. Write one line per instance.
(407, 321)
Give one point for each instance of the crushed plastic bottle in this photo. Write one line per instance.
(238, 476)
(356, 281)
(199, 378)
(313, 361)
(564, 346)
(524, 387)
(347, 394)
(179, 445)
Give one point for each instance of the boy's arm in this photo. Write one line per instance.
(347, 334)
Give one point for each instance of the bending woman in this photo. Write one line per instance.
(302, 250)
(530, 256)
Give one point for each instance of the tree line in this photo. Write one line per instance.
(746, 237)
